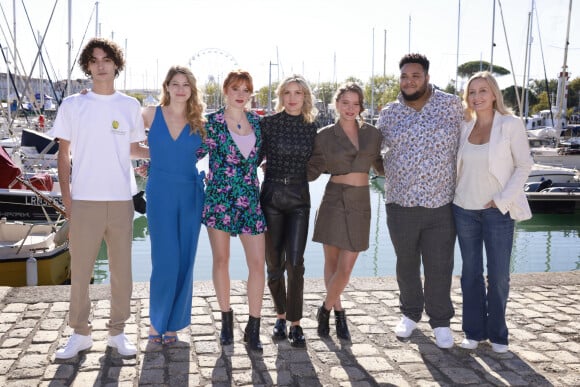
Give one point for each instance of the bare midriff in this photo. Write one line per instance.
(357, 179)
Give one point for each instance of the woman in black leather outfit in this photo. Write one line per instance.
(288, 138)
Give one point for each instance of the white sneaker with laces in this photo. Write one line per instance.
(74, 345)
(405, 327)
(469, 344)
(123, 345)
(499, 348)
(443, 337)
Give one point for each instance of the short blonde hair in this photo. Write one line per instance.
(309, 111)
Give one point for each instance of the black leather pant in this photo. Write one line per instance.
(287, 211)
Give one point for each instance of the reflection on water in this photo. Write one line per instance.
(545, 243)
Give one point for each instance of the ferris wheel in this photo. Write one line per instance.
(211, 65)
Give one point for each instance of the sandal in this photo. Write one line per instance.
(170, 339)
(156, 339)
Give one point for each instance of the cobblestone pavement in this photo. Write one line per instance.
(543, 317)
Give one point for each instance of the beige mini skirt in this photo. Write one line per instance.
(344, 217)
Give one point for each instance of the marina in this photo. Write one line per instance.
(545, 243)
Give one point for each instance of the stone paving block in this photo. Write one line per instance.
(5, 366)
(59, 306)
(536, 295)
(569, 310)
(561, 317)
(12, 343)
(8, 318)
(403, 356)
(553, 337)
(371, 329)
(10, 353)
(460, 375)
(21, 383)
(155, 376)
(205, 347)
(543, 346)
(562, 356)
(32, 314)
(533, 357)
(15, 308)
(374, 364)
(36, 349)
(361, 320)
(52, 324)
(530, 314)
(59, 371)
(507, 378)
(45, 337)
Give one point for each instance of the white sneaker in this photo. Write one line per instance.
(499, 348)
(469, 344)
(443, 337)
(123, 345)
(74, 345)
(405, 327)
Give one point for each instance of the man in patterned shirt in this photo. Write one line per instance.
(421, 134)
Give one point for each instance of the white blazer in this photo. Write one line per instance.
(510, 162)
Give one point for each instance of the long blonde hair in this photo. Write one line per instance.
(309, 112)
(498, 104)
(195, 107)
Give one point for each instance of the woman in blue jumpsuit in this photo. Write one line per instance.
(175, 196)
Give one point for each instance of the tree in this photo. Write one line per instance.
(574, 94)
(543, 103)
(386, 90)
(509, 97)
(467, 69)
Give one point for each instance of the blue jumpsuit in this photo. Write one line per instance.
(175, 196)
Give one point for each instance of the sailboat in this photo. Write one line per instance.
(556, 152)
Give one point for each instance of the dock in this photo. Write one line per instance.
(543, 318)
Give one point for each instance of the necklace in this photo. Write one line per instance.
(238, 122)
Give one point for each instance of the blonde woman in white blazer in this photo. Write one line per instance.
(493, 163)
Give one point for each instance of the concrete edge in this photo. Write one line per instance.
(313, 285)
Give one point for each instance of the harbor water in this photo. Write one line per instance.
(546, 243)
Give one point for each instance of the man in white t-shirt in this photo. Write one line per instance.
(100, 133)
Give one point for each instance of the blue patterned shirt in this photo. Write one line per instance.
(420, 150)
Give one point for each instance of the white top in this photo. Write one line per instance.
(475, 185)
(100, 129)
(510, 162)
(245, 143)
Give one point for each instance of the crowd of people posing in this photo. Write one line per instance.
(451, 171)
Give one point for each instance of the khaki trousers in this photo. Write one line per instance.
(90, 223)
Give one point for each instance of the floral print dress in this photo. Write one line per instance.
(232, 195)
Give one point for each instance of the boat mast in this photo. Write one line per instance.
(69, 63)
(528, 60)
(492, 39)
(562, 80)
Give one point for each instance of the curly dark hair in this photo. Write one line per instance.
(112, 50)
(415, 58)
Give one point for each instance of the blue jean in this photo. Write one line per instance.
(484, 309)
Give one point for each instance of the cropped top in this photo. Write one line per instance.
(287, 145)
(334, 153)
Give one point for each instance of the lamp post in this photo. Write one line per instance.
(270, 87)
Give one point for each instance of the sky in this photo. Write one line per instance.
(322, 39)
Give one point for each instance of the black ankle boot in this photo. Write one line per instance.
(279, 329)
(296, 337)
(323, 316)
(252, 334)
(341, 327)
(227, 334)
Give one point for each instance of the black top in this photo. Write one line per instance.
(287, 145)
